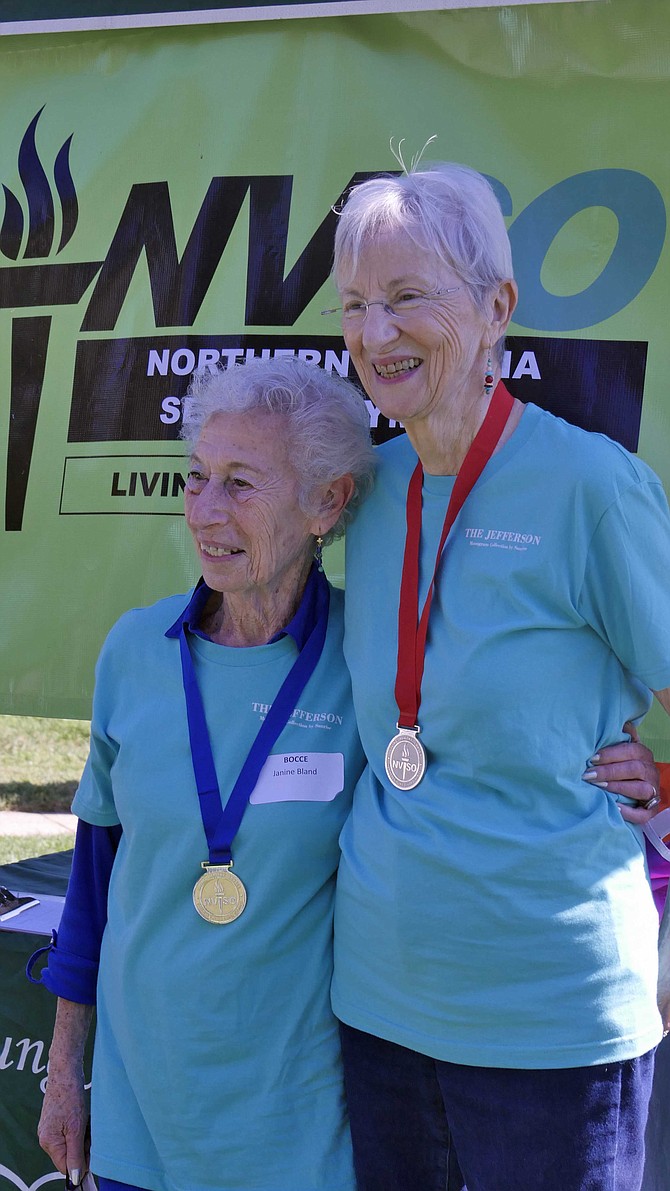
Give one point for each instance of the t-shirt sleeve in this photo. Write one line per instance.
(625, 594)
(94, 800)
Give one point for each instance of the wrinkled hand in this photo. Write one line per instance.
(62, 1128)
(627, 769)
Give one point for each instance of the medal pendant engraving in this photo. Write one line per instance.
(405, 759)
(218, 895)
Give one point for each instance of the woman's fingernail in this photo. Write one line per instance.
(594, 759)
(590, 776)
(75, 1176)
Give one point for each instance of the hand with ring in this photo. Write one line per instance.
(628, 769)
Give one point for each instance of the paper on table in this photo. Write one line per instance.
(40, 919)
(13, 905)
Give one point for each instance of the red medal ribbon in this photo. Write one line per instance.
(412, 630)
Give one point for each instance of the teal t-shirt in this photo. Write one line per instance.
(216, 1062)
(499, 914)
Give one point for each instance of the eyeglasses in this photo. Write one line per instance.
(403, 307)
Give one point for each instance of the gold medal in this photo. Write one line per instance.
(218, 895)
(405, 759)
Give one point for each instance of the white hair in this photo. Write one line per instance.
(447, 209)
(326, 419)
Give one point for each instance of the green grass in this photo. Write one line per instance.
(40, 762)
(21, 847)
(40, 765)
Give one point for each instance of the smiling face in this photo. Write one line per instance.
(241, 505)
(412, 365)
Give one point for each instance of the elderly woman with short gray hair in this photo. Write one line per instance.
(224, 754)
(495, 933)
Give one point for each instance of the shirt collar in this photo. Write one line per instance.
(299, 628)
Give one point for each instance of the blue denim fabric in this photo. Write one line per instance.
(572, 1129)
(111, 1185)
(399, 1127)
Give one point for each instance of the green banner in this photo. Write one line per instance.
(28, 16)
(168, 201)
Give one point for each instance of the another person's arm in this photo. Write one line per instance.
(664, 968)
(664, 934)
(664, 699)
(621, 774)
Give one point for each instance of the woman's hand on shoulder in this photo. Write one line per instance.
(628, 769)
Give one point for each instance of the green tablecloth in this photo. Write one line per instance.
(26, 1023)
(43, 874)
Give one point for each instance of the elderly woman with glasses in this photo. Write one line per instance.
(224, 754)
(507, 593)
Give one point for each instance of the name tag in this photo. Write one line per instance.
(300, 777)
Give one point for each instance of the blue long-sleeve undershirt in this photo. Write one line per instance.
(74, 956)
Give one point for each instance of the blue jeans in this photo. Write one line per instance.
(573, 1129)
(112, 1185)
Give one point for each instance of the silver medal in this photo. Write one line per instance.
(405, 759)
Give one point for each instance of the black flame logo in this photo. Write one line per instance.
(40, 202)
(49, 283)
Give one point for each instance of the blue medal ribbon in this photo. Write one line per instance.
(221, 822)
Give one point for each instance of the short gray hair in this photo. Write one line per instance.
(327, 422)
(448, 209)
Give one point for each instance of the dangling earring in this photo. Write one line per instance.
(488, 375)
(318, 553)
